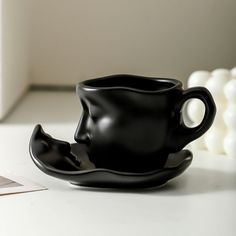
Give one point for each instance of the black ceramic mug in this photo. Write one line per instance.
(131, 123)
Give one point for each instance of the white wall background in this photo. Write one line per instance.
(74, 40)
(14, 51)
(60, 42)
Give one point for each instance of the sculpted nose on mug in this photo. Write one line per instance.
(81, 134)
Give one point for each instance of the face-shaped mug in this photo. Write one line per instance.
(131, 123)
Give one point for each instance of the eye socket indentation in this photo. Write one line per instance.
(94, 113)
(94, 117)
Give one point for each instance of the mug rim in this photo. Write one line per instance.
(86, 84)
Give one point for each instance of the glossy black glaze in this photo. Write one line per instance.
(132, 123)
(71, 163)
(52, 152)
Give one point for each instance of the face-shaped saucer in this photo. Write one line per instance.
(71, 163)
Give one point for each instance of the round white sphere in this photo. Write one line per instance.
(195, 111)
(230, 90)
(219, 117)
(216, 87)
(221, 73)
(198, 78)
(230, 117)
(233, 72)
(230, 144)
(214, 140)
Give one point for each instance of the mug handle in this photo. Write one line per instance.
(183, 134)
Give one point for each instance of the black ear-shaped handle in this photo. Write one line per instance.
(184, 135)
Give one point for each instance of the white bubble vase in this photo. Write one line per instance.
(230, 91)
(230, 144)
(221, 138)
(214, 139)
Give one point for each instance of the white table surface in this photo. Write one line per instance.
(202, 201)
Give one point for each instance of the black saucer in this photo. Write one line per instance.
(71, 163)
